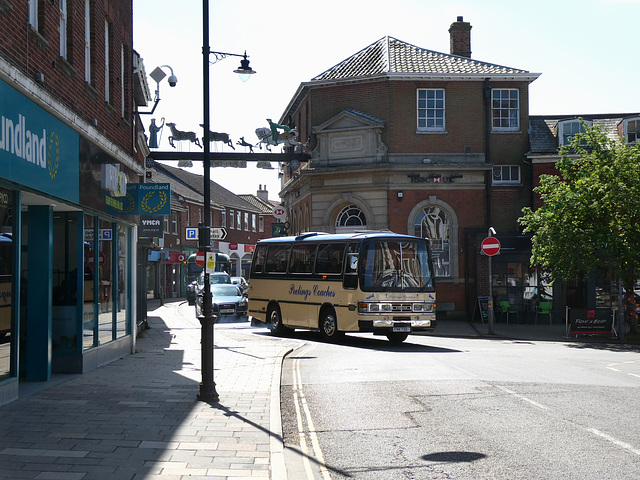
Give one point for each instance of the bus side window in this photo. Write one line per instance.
(301, 260)
(258, 259)
(277, 259)
(330, 258)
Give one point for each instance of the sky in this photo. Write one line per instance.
(586, 52)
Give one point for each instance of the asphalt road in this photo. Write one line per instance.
(448, 408)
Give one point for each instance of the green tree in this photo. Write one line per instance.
(590, 217)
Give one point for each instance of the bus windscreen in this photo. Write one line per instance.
(391, 265)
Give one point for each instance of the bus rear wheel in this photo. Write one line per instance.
(329, 326)
(397, 337)
(274, 322)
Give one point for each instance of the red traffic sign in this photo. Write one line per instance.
(491, 246)
(200, 259)
(100, 258)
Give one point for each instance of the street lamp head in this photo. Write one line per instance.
(244, 70)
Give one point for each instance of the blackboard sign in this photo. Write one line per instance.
(483, 308)
(584, 321)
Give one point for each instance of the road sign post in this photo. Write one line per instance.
(491, 247)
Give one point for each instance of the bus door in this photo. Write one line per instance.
(301, 310)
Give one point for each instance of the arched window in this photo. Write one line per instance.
(349, 219)
(432, 222)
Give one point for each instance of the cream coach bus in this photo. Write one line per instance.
(376, 282)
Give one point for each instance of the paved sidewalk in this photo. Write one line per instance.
(138, 418)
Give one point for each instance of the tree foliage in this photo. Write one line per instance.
(590, 217)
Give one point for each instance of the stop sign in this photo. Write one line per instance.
(491, 246)
(200, 259)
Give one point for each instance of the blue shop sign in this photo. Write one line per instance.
(36, 149)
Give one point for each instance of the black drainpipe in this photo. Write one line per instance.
(487, 147)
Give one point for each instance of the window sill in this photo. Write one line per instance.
(40, 41)
(430, 132)
(506, 131)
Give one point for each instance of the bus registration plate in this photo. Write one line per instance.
(402, 329)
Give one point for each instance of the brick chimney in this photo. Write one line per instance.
(460, 33)
(263, 194)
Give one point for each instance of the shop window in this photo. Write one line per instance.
(434, 224)
(7, 252)
(106, 332)
(89, 312)
(122, 299)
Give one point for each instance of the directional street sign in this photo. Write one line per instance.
(218, 233)
(491, 246)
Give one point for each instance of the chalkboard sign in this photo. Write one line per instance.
(483, 308)
(584, 321)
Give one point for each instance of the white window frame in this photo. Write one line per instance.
(635, 133)
(122, 104)
(174, 222)
(254, 222)
(506, 175)
(224, 218)
(261, 223)
(87, 41)
(568, 128)
(63, 28)
(430, 110)
(33, 14)
(107, 61)
(232, 219)
(239, 220)
(505, 109)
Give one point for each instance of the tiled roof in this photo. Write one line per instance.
(392, 56)
(543, 129)
(219, 195)
(265, 207)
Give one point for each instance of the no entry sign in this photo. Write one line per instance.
(491, 246)
(200, 259)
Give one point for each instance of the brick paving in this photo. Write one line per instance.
(138, 418)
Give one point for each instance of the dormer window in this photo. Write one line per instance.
(632, 130)
(568, 129)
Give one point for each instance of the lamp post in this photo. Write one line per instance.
(208, 391)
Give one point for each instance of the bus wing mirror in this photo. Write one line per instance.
(353, 262)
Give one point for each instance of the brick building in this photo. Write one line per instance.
(420, 142)
(68, 146)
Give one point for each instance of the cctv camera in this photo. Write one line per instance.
(172, 80)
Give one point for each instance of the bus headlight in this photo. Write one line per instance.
(423, 307)
(371, 307)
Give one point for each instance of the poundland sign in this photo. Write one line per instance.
(36, 149)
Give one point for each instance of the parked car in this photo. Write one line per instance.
(242, 283)
(227, 300)
(197, 285)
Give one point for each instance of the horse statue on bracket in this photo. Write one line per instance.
(219, 137)
(178, 136)
(286, 139)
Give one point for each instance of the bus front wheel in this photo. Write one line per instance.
(329, 325)
(274, 322)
